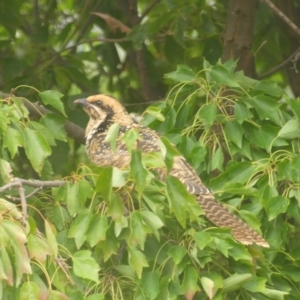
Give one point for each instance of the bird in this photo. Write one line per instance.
(104, 111)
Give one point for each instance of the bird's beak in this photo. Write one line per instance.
(80, 102)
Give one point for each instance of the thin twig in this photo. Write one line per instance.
(282, 16)
(33, 183)
(39, 184)
(26, 196)
(148, 9)
(281, 65)
(141, 103)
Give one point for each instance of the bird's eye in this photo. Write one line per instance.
(99, 103)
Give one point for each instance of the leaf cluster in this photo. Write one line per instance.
(122, 234)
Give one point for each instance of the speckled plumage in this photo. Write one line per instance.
(105, 111)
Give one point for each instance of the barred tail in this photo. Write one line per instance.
(221, 217)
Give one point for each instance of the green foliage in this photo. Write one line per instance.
(112, 234)
(122, 234)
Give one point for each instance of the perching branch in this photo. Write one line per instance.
(19, 183)
(283, 17)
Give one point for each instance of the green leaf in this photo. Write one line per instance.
(221, 75)
(269, 88)
(239, 252)
(97, 228)
(168, 151)
(51, 238)
(119, 177)
(12, 140)
(153, 222)
(115, 208)
(5, 171)
(274, 294)
(250, 219)
(202, 239)
(77, 194)
(104, 183)
(29, 290)
(53, 98)
(208, 113)
(275, 206)
(150, 284)
(234, 132)
(155, 112)
(120, 225)
(240, 172)
(45, 132)
(130, 138)
(235, 281)
(182, 73)
(56, 124)
(125, 270)
(290, 130)
(256, 284)
(208, 286)
(137, 260)
(39, 249)
(266, 108)
(241, 112)
(36, 148)
(79, 227)
(295, 106)
(10, 209)
(266, 137)
(178, 198)
(21, 257)
(85, 266)
(238, 189)
(8, 268)
(4, 121)
(177, 253)
(137, 170)
(112, 136)
(138, 233)
(189, 284)
(217, 160)
(57, 295)
(109, 247)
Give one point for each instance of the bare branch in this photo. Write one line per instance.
(283, 17)
(27, 196)
(113, 23)
(293, 58)
(39, 184)
(33, 183)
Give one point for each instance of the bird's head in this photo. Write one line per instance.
(104, 111)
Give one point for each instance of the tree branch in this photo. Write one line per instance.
(238, 35)
(33, 183)
(39, 184)
(293, 58)
(282, 16)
